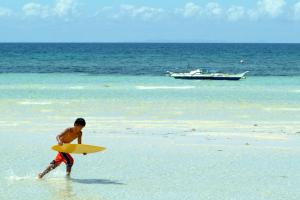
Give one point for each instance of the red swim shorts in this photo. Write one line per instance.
(63, 157)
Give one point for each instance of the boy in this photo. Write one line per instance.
(67, 136)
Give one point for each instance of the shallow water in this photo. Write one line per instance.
(147, 167)
(142, 101)
(165, 138)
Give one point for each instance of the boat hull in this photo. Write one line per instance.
(208, 78)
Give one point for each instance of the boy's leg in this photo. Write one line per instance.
(48, 169)
(56, 162)
(69, 162)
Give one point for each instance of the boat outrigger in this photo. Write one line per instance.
(200, 74)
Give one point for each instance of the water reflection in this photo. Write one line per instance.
(64, 189)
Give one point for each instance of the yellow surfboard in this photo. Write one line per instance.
(77, 148)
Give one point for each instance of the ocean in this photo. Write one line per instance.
(165, 138)
(148, 58)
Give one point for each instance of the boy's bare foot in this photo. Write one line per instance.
(68, 174)
(40, 175)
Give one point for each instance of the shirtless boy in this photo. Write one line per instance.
(67, 136)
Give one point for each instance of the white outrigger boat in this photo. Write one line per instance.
(200, 74)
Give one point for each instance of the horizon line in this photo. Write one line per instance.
(140, 42)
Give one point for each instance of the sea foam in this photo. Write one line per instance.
(35, 102)
(164, 87)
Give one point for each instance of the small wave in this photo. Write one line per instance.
(35, 102)
(164, 87)
(21, 178)
(282, 109)
(77, 87)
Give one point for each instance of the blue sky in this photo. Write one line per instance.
(149, 21)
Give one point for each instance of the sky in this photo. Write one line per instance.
(150, 21)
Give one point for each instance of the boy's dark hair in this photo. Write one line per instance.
(79, 121)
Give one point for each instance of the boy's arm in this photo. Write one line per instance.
(79, 138)
(60, 135)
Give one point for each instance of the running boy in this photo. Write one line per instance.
(67, 136)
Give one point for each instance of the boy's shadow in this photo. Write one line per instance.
(95, 181)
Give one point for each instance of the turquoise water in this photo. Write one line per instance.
(165, 138)
(147, 97)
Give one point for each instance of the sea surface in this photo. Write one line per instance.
(149, 58)
(165, 138)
